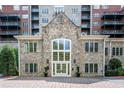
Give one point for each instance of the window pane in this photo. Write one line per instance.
(106, 51)
(86, 47)
(121, 51)
(31, 67)
(91, 68)
(117, 51)
(31, 47)
(68, 68)
(61, 56)
(91, 47)
(61, 44)
(55, 56)
(63, 68)
(55, 45)
(113, 51)
(35, 47)
(58, 68)
(67, 45)
(26, 67)
(35, 67)
(26, 47)
(96, 47)
(86, 68)
(95, 68)
(67, 56)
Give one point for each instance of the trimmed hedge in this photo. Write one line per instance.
(114, 73)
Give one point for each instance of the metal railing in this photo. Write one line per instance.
(112, 32)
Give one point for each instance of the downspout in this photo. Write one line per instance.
(104, 57)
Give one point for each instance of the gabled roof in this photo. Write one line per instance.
(63, 14)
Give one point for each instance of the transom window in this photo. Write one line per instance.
(61, 50)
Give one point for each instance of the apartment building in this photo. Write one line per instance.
(14, 20)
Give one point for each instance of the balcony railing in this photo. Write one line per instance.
(9, 24)
(112, 32)
(112, 23)
(85, 9)
(85, 17)
(9, 33)
(35, 26)
(35, 10)
(35, 18)
(113, 13)
(2, 15)
(85, 26)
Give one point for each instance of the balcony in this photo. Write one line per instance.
(35, 26)
(105, 14)
(85, 17)
(35, 18)
(9, 33)
(9, 15)
(85, 26)
(112, 23)
(9, 24)
(110, 32)
(85, 9)
(35, 10)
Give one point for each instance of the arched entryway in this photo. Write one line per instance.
(61, 57)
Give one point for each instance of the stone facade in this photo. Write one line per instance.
(62, 28)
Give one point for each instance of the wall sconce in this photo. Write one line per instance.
(47, 60)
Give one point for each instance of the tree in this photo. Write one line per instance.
(115, 64)
(7, 61)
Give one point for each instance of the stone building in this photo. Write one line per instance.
(63, 49)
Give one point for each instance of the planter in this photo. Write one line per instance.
(45, 74)
(77, 74)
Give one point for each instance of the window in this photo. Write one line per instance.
(96, 47)
(106, 51)
(45, 11)
(58, 8)
(31, 67)
(96, 23)
(44, 20)
(24, 7)
(96, 14)
(86, 68)
(105, 6)
(30, 47)
(74, 10)
(96, 7)
(35, 67)
(91, 68)
(113, 51)
(118, 51)
(86, 47)
(95, 68)
(16, 7)
(91, 47)
(25, 16)
(61, 50)
(121, 51)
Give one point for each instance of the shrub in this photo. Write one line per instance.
(114, 73)
(111, 73)
(115, 64)
(7, 61)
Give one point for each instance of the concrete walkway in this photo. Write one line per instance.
(61, 82)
